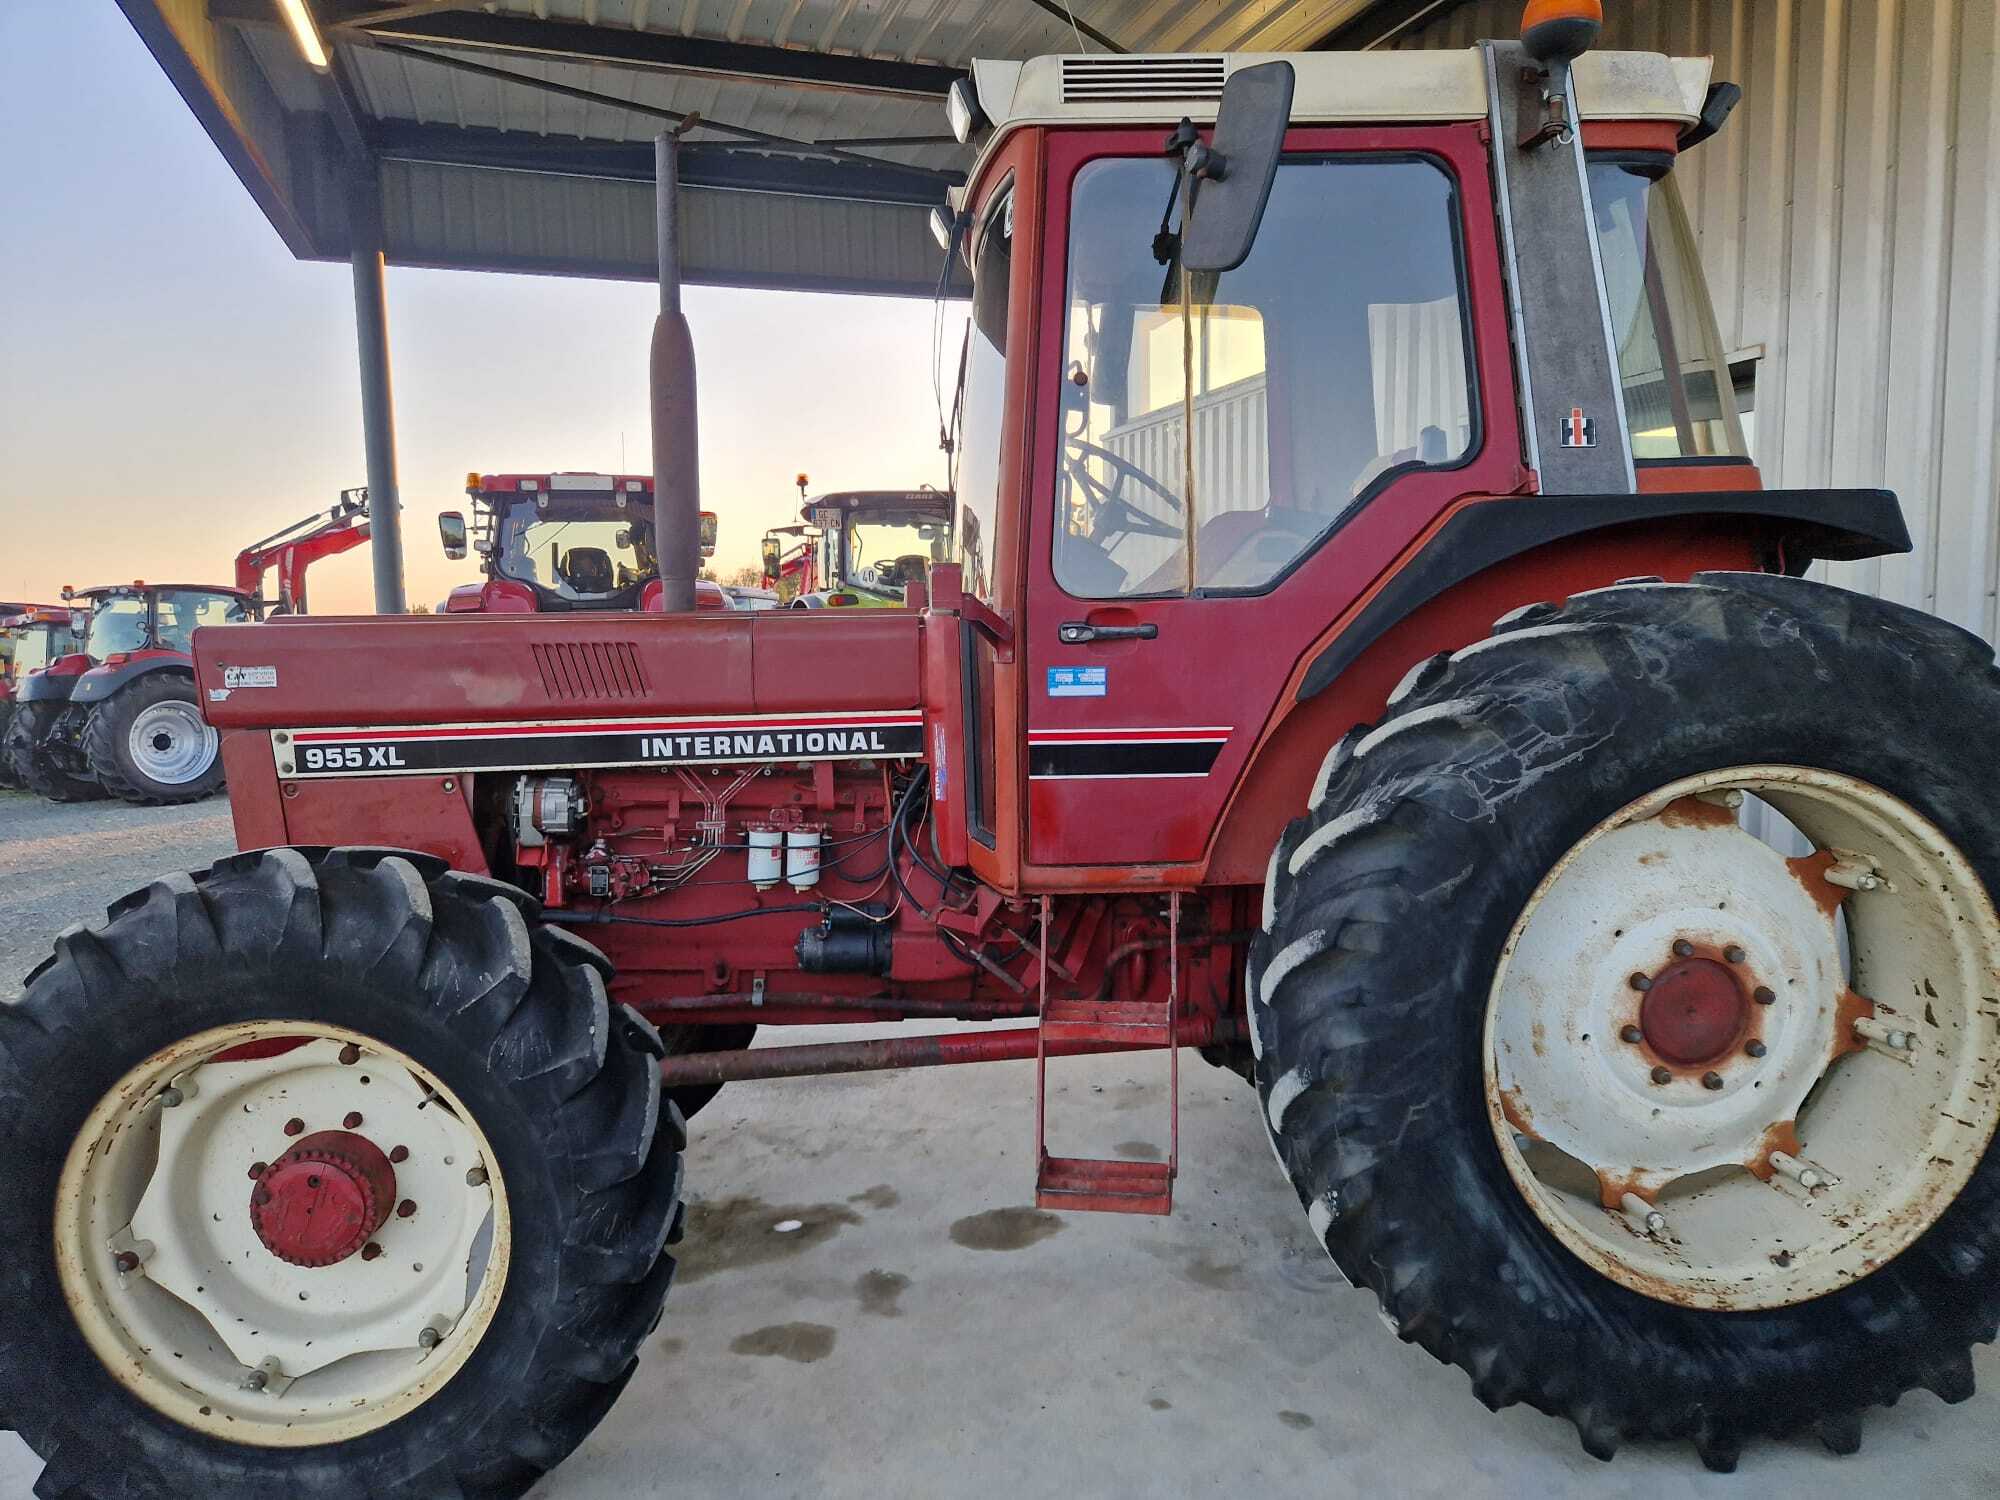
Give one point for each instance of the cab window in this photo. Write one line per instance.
(183, 611)
(1333, 359)
(976, 481)
(1679, 401)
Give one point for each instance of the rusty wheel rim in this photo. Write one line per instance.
(1700, 1087)
(194, 1250)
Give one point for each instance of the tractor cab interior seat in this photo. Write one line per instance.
(587, 570)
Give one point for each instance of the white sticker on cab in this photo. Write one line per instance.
(249, 677)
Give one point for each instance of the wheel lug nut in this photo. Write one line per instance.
(400, 1155)
(126, 1262)
(370, 1250)
(1631, 1034)
(258, 1169)
(1733, 954)
(1683, 948)
(294, 1126)
(350, 1054)
(405, 1209)
(428, 1339)
(476, 1177)
(256, 1380)
(172, 1098)
(353, 1120)
(1711, 1080)
(1640, 982)
(1662, 1075)
(1764, 995)
(1755, 1048)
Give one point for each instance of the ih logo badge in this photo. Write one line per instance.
(1579, 431)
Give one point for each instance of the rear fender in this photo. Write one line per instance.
(1450, 588)
(104, 680)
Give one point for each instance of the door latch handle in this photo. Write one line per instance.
(1079, 632)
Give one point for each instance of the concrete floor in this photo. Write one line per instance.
(923, 1334)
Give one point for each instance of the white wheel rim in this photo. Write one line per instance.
(174, 1290)
(1743, 1179)
(170, 744)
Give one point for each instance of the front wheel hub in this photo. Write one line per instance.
(324, 1199)
(1694, 1012)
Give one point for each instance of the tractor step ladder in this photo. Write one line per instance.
(1085, 1183)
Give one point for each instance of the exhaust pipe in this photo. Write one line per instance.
(676, 450)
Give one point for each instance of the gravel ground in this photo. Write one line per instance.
(920, 1332)
(61, 863)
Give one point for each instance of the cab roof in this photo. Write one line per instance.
(1332, 88)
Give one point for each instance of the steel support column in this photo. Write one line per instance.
(676, 456)
(378, 415)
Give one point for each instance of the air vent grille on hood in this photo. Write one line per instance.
(1141, 80)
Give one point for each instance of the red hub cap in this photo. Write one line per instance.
(1694, 1011)
(322, 1200)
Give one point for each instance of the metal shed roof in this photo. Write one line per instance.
(515, 134)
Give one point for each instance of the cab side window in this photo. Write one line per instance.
(1334, 358)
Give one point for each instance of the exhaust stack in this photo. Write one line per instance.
(676, 451)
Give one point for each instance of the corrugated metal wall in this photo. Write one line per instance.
(1849, 218)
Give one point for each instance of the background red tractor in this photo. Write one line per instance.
(31, 636)
(120, 717)
(1366, 642)
(562, 542)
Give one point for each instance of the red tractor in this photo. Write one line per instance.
(563, 542)
(122, 717)
(31, 636)
(1366, 643)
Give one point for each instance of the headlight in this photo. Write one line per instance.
(961, 107)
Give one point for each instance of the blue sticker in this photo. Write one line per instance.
(1076, 682)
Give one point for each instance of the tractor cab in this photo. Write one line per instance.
(551, 543)
(31, 636)
(133, 678)
(863, 548)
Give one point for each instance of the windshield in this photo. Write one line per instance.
(30, 647)
(981, 402)
(575, 546)
(1678, 399)
(118, 624)
(1333, 359)
(888, 549)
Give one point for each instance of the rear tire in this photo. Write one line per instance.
(511, 1021)
(1392, 904)
(147, 743)
(26, 732)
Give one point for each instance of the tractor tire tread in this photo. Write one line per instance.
(1344, 1013)
(104, 738)
(526, 1005)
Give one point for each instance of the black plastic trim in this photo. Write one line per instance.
(1838, 525)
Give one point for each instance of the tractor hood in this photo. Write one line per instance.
(385, 671)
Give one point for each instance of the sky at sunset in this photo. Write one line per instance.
(174, 385)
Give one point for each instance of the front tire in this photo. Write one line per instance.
(1401, 910)
(148, 744)
(378, 994)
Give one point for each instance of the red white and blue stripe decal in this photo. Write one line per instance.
(569, 744)
(1138, 753)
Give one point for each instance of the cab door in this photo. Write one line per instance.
(1333, 384)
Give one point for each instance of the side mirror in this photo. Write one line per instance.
(451, 530)
(773, 556)
(707, 533)
(1231, 181)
